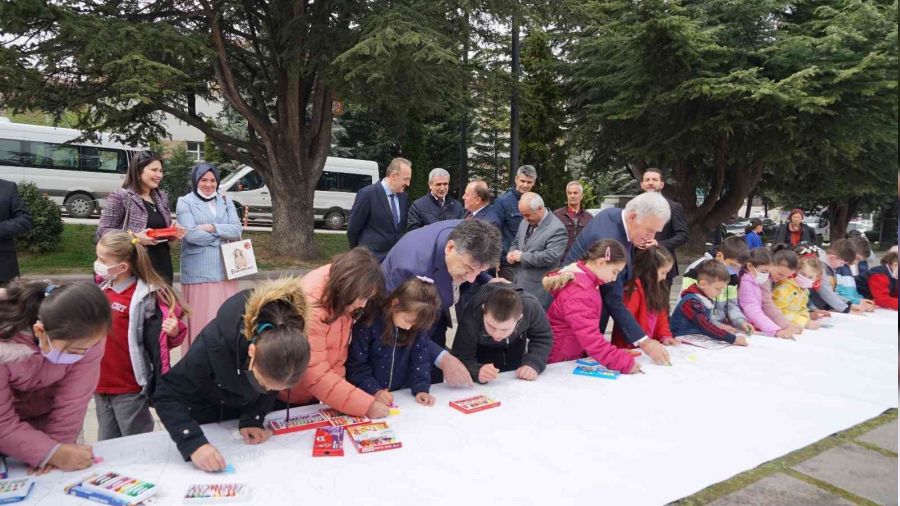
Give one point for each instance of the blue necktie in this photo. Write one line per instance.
(394, 210)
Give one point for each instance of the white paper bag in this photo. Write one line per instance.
(239, 259)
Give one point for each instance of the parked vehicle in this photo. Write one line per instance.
(822, 227)
(77, 176)
(335, 192)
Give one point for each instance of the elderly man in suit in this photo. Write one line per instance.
(14, 220)
(378, 216)
(477, 201)
(538, 247)
(643, 217)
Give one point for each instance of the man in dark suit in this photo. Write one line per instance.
(449, 253)
(676, 232)
(435, 205)
(14, 221)
(477, 201)
(378, 216)
(643, 217)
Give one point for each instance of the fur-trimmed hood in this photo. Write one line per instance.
(286, 288)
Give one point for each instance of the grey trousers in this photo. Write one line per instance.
(122, 415)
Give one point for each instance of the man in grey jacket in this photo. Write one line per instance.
(538, 247)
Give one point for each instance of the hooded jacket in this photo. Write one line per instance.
(210, 383)
(374, 365)
(529, 344)
(575, 317)
(793, 301)
(879, 285)
(692, 316)
(726, 309)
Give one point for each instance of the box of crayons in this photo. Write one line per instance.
(298, 423)
(594, 369)
(217, 493)
(12, 491)
(338, 419)
(329, 442)
(474, 404)
(373, 437)
(114, 489)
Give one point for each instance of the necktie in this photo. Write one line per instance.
(455, 293)
(440, 203)
(393, 198)
(528, 232)
(469, 215)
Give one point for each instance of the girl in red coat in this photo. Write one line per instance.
(575, 312)
(881, 282)
(647, 298)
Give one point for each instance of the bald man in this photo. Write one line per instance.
(538, 247)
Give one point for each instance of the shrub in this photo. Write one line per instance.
(48, 224)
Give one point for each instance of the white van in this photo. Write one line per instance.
(341, 179)
(78, 176)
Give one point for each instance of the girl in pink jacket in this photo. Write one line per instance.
(755, 297)
(50, 348)
(575, 312)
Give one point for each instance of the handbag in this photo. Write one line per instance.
(239, 258)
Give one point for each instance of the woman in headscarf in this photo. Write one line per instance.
(210, 220)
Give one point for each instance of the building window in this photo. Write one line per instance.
(196, 149)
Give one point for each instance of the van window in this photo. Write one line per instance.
(53, 156)
(251, 181)
(11, 152)
(103, 159)
(342, 182)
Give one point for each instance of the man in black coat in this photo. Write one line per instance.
(676, 232)
(14, 221)
(379, 212)
(435, 205)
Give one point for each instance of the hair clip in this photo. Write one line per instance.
(262, 327)
(50, 288)
(608, 254)
(425, 279)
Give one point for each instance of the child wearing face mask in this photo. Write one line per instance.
(575, 312)
(146, 324)
(726, 311)
(791, 294)
(392, 352)
(837, 256)
(755, 297)
(50, 348)
(880, 282)
(503, 329)
(822, 295)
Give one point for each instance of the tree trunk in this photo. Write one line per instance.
(842, 212)
(749, 205)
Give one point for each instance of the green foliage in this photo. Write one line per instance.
(44, 236)
(177, 167)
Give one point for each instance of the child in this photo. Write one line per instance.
(751, 234)
(693, 314)
(755, 296)
(253, 348)
(146, 324)
(726, 311)
(880, 282)
(392, 352)
(575, 312)
(50, 344)
(791, 293)
(822, 295)
(840, 255)
(503, 329)
(647, 296)
(863, 251)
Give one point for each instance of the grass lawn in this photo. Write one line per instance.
(76, 254)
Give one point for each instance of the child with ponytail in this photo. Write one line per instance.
(146, 324)
(50, 349)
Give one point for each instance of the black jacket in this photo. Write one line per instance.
(783, 235)
(425, 211)
(210, 383)
(529, 344)
(14, 221)
(372, 222)
(675, 234)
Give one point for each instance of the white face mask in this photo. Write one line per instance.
(102, 270)
(207, 195)
(761, 277)
(894, 273)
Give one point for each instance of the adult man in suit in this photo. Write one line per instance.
(537, 248)
(378, 215)
(450, 253)
(676, 232)
(477, 202)
(643, 217)
(14, 221)
(435, 205)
